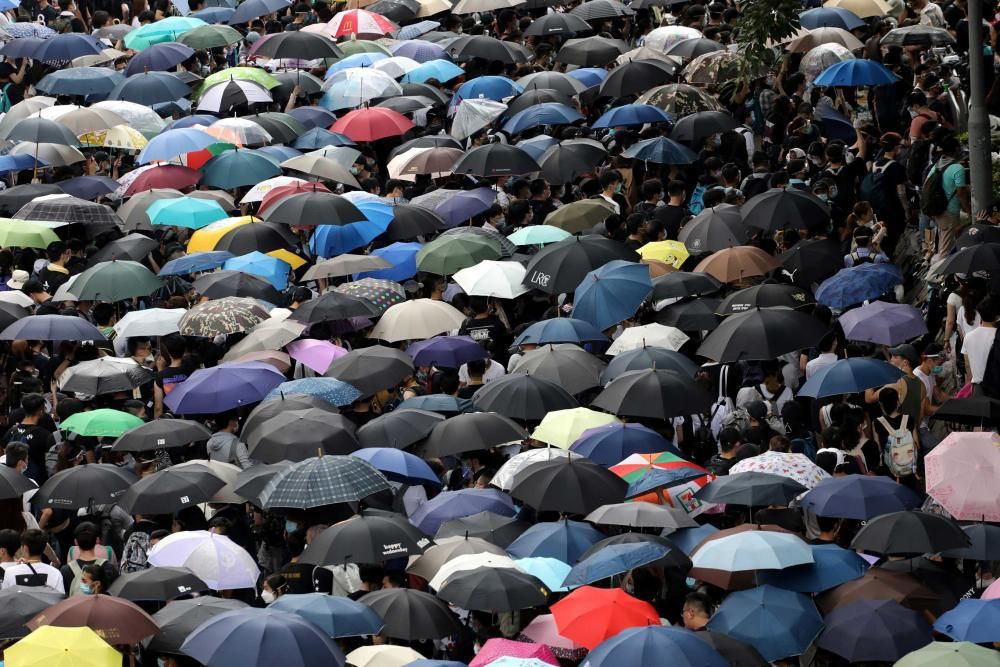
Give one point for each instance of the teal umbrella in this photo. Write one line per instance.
(238, 168)
(185, 212)
(166, 30)
(114, 281)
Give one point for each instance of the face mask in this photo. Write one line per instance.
(716, 142)
(291, 527)
(822, 197)
(354, 171)
(937, 370)
(86, 589)
(690, 583)
(161, 662)
(833, 193)
(267, 597)
(618, 188)
(818, 161)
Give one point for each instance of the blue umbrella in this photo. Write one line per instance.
(860, 497)
(314, 117)
(855, 72)
(614, 559)
(214, 14)
(177, 141)
(252, 9)
(399, 466)
(835, 124)
(279, 153)
(588, 76)
(458, 504)
(414, 30)
(874, 631)
(319, 137)
(194, 120)
(65, 47)
(438, 403)
(659, 478)
(378, 212)
(237, 168)
(440, 69)
(420, 50)
(465, 205)
(660, 150)
(560, 330)
(776, 622)
(831, 566)
(271, 269)
(551, 571)
(491, 87)
(976, 621)
(632, 114)
(334, 392)
(10, 163)
(883, 323)
(611, 444)
(611, 293)
(830, 17)
(159, 58)
(20, 31)
(546, 113)
(402, 256)
(223, 387)
(81, 81)
(858, 283)
(354, 60)
(22, 47)
(537, 145)
(261, 638)
(173, 106)
(89, 187)
(446, 351)
(335, 615)
(333, 240)
(849, 376)
(563, 540)
(687, 539)
(187, 212)
(195, 263)
(652, 645)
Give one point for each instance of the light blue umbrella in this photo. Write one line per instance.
(319, 137)
(402, 256)
(185, 212)
(832, 566)
(537, 145)
(271, 269)
(776, 622)
(442, 70)
(335, 615)
(562, 540)
(976, 621)
(350, 93)
(551, 571)
(538, 235)
(334, 392)
(356, 60)
(614, 559)
(196, 262)
(377, 211)
(80, 81)
(632, 114)
(589, 76)
(546, 113)
(611, 293)
(687, 539)
(753, 550)
(237, 168)
(420, 50)
(491, 87)
(333, 240)
(414, 30)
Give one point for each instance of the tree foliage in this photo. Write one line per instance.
(762, 25)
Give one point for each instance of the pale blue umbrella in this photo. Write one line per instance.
(334, 392)
(442, 70)
(174, 142)
(551, 571)
(271, 269)
(753, 550)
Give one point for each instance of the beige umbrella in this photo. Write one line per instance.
(800, 32)
(140, 117)
(435, 162)
(473, 6)
(432, 7)
(736, 264)
(417, 320)
(345, 265)
(646, 53)
(102, 58)
(54, 155)
(862, 8)
(824, 36)
(345, 156)
(227, 472)
(133, 212)
(271, 334)
(221, 197)
(322, 167)
(382, 656)
(81, 120)
(23, 110)
(447, 548)
(648, 335)
(276, 358)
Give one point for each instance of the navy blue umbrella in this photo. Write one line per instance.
(659, 478)
(985, 538)
(687, 539)
(976, 621)
(642, 358)
(252, 9)
(159, 58)
(655, 645)
(150, 88)
(860, 497)
(63, 48)
(80, 81)
(835, 124)
(612, 560)
(51, 327)
(632, 114)
(313, 117)
(830, 17)
(89, 187)
(446, 351)
(849, 376)
(23, 47)
(831, 566)
(776, 622)
(337, 616)
(319, 137)
(560, 330)
(261, 638)
(563, 540)
(660, 150)
(611, 444)
(874, 631)
(862, 282)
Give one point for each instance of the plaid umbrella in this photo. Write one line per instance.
(70, 209)
(222, 316)
(323, 480)
(383, 293)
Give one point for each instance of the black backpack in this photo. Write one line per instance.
(933, 199)
(873, 189)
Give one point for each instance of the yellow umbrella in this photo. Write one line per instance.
(53, 646)
(288, 257)
(119, 136)
(205, 238)
(861, 8)
(561, 428)
(671, 252)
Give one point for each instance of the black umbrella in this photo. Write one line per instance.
(284, 403)
(735, 652)
(42, 131)
(411, 615)
(591, 51)
(469, 432)
(219, 284)
(674, 559)
(13, 484)
(13, 199)
(593, 10)
(568, 160)
(296, 435)
(261, 236)
(985, 543)
(692, 48)
(523, 397)
(557, 24)
(976, 233)
(972, 411)
(307, 84)
(636, 76)
(494, 528)
(398, 11)
(698, 314)
(366, 539)
(910, 532)
(653, 393)
(399, 428)
(409, 222)
(492, 589)
(494, 160)
(20, 604)
(467, 47)
(170, 490)
(571, 486)
(250, 483)
(681, 284)
(84, 486)
(762, 334)
(135, 247)
(298, 44)
(560, 267)
(180, 618)
(812, 260)
(569, 366)
(767, 295)
(314, 207)
(530, 98)
(714, 229)
(334, 306)
(161, 434)
(752, 489)
(978, 257)
(695, 127)
(785, 208)
(157, 583)
(648, 357)
(557, 81)
(372, 369)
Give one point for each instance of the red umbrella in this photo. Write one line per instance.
(590, 615)
(275, 195)
(164, 176)
(116, 620)
(371, 123)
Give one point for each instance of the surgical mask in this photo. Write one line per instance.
(833, 193)
(937, 370)
(267, 597)
(618, 188)
(818, 161)
(291, 527)
(354, 170)
(161, 662)
(690, 583)
(822, 197)
(86, 589)
(716, 142)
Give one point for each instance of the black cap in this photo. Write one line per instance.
(757, 410)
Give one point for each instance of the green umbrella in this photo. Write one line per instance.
(258, 76)
(538, 235)
(950, 654)
(446, 255)
(114, 281)
(210, 37)
(355, 46)
(168, 30)
(237, 168)
(25, 234)
(102, 422)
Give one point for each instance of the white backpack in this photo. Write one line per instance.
(900, 451)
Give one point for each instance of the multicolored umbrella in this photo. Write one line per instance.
(383, 293)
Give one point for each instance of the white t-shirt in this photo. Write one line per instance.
(53, 577)
(962, 325)
(493, 371)
(976, 347)
(820, 362)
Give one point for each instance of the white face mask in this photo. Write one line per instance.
(267, 597)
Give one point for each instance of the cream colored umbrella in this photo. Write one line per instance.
(824, 36)
(24, 109)
(345, 156)
(648, 335)
(81, 120)
(861, 8)
(102, 58)
(322, 167)
(382, 656)
(140, 117)
(54, 155)
(469, 562)
(417, 320)
(433, 161)
(432, 7)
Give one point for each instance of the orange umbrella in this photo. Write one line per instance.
(739, 263)
(116, 620)
(590, 615)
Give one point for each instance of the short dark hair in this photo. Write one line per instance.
(699, 602)
(103, 312)
(888, 399)
(651, 187)
(174, 345)
(55, 251)
(14, 453)
(449, 383)
(538, 186)
(32, 404)
(10, 541)
(296, 543)
(676, 188)
(988, 309)
(86, 535)
(517, 211)
(609, 177)
(477, 367)
(135, 341)
(34, 541)
(729, 439)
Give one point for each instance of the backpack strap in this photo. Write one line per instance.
(902, 424)
(887, 426)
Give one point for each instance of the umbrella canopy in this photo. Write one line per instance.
(569, 486)
(949, 654)
(457, 504)
(591, 615)
(493, 528)
(874, 630)
(849, 376)
(112, 618)
(856, 72)
(224, 387)
(659, 394)
(563, 540)
(761, 334)
(613, 560)
(472, 431)
(910, 532)
(611, 293)
(366, 538)
(883, 323)
(70, 645)
(560, 267)
(323, 481)
(859, 497)
(182, 617)
(859, 283)
(171, 490)
(157, 583)
(561, 428)
(794, 466)
(631, 646)
(22, 604)
(410, 614)
(523, 397)
(493, 589)
(971, 621)
(417, 320)
(974, 457)
(831, 566)
(762, 617)
(336, 616)
(213, 558)
(753, 489)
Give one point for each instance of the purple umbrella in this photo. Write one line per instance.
(445, 351)
(884, 323)
(315, 354)
(159, 58)
(459, 208)
(459, 504)
(223, 387)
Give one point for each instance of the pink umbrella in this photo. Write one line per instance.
(315, 354)
(543, 630)
(961, 475)
(497, 648)
(993, 592)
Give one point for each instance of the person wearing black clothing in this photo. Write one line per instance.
(55, 273)
(44, 305)
(483, 325)
(673, 214)
(298, 576)
(39, 439)
(759, 432)
(729, 443)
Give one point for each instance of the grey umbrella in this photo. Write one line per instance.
(106, 375)
(275, 406)
(41, 130)
(569, 366)
(469, 432)
(372, 369)
(323, 480)
(180, 618)
(399, 428)
(133, 247)
(427, 565)
(296, 435)
(642, 515)
(250, 483)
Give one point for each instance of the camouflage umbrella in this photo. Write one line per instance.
(681, 99)
(710, 68)
(222, 316)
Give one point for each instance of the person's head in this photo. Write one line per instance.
(449, 384)
(36, 290)
(697, 610)
(86, 535)
(904, 357)
(988, 309)
(779, 443)
(729, 440)
(173, 347)
(931, 358)
(140, 348)
(16, 456)
(482, 478)
(395, 188)
(888, 400)
(476, 368)
(828, 343)
(10, 542)
(915, 101)
(611, 181)
(93, 580)
(394, 579)
(57, 252)
(677, 191)
(950, 146)
(296, 543)
(519, 212)
(33, 405)
(220, 525)
(104, 314)
(300, 295)
(539, 188)
(33, 541)
(274, 587)
(828, 526)
(890, 142)
(652, 190)
(757, 411)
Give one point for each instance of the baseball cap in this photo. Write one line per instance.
(906, 351)
(757, 410)
(933, 351)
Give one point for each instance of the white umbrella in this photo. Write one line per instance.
(396, 66)
(473, 6)
(140, 117)
(81, 120)
(322, 167)
(473, 115)
(215, 559)
(16, 297)
(417, 320)
(345, 156)
(22, 110)
(356, 73)
(257, 192)
(501, 280)
(54, 155)
(353, 92)
(504, 477)
(649, 335)
(227, 472)
(432, 7)
(792, 466)
(149, 323)
(469, 562)
(239, 131)
(63, 291)
(382, 656)
(662, 38)
(226, 95)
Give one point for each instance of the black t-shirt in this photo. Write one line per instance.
(893, 175)
(52, 278)
(172, 376)
(299, 577)
(671, 217)
(39, 441)
(485, 328)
